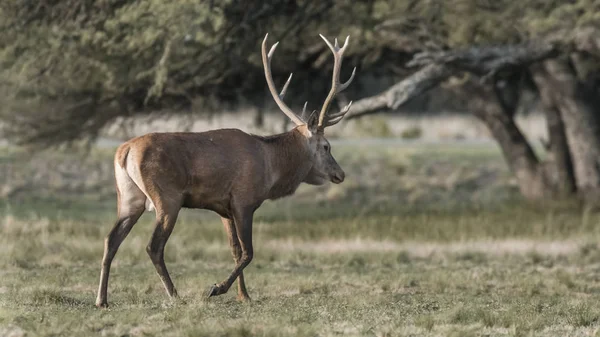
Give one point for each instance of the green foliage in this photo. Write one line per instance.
(85, 63)
(414, 132)
(464, 23)
(374, 127)
(567, 15)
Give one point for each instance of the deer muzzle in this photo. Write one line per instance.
(338, 177)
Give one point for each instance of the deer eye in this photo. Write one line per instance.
(326, 147)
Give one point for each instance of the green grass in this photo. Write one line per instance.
(403, 250)
(301, 289)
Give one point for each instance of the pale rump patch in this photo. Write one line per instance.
(417, 249)
(132, 197)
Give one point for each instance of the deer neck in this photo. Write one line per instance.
(289, 161)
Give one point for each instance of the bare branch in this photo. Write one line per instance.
(401, 92)
(439, 65)
(487, 61)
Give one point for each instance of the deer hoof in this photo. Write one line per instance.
(245, 299)
(102, 304)
(212, 291)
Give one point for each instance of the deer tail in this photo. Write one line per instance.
(121, 155)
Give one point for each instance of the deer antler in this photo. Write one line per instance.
(266, 59)
(336, 86)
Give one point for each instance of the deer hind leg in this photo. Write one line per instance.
(243, 226)
(236, 251)
(165, 222)
(131, 206)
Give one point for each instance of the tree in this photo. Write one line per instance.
(531, 40)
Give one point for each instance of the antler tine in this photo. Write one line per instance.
(285, 87)
(336, 86)
(345, 85)
(333, 49)
(266, 59)
(346, 42)
(341, 112)
(304, 110)
(335, 118)
(333, 121)
(273, 47)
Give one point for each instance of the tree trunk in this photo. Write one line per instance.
(531, 178)
(560, 165)
(582, 126)
(259, 117)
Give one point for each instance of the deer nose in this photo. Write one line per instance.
(338, 177)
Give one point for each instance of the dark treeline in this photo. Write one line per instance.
(70, 67)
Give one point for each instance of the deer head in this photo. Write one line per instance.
(312, 125)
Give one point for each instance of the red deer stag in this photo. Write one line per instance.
(227, 171)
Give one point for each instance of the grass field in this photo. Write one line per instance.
(421, 240)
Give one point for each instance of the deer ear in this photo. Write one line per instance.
(313, 121)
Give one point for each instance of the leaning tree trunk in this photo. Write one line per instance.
(560, 164)
(582, 127)
(520, 157)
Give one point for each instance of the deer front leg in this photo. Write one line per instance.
(236, 251)
(243, 225)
